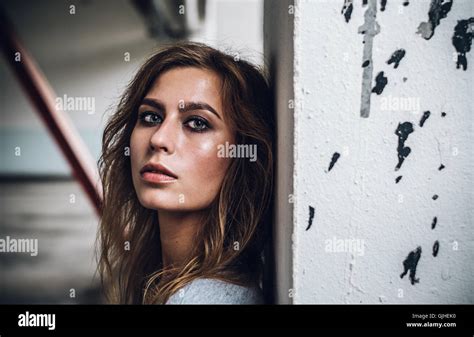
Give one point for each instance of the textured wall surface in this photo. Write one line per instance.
(383, 149)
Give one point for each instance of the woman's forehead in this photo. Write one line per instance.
(186, 83)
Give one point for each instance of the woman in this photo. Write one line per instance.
(186, 207)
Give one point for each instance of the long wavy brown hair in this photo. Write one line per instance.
(232, 236)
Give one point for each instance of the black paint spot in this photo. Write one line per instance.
(398, 179)
(441, 167)
(405, 79)
(334, 159)
(380, 83)
(443, 114)
(396, 57)
(410, 264)
(364, 2)
(439, 9)
(406, 3)
(435, 197)
(462, 40)
(383, 3)
(423, 119)
(433, 224)
(403, 131)
(347, 9)
(365, 64)
(435, 248)
(311, 216)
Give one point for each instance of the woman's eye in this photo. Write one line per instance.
(197, 124)
(149, 117)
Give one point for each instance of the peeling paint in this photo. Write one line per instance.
(462, 40)
(396, 57)
(369, 29)
(368, 194)
(347, 9)
(423, 119)
(353, 285)
(440, 156)
(334, 159)
(410, 264)
(403, 131)
(439, 9)
(380, 83)
(435, 248)
(311, 216)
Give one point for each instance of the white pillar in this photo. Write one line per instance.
(368, 224)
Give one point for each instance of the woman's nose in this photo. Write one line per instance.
(164, 138)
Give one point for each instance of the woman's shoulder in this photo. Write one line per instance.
(213, 291)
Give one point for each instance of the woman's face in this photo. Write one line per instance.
(174, 144)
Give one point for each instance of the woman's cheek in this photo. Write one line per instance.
(207, 163)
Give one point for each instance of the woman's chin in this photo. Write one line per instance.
(161, 205)
(167, 205)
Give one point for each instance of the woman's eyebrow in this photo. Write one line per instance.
(188, 106)
(154, 103)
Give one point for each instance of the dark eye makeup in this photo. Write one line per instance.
(193, 123)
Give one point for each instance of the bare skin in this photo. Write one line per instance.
(180, 124)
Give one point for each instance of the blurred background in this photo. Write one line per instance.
(88, 50)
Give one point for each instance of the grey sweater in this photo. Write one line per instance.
(211, 291)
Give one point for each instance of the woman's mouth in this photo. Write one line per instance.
(157, 173)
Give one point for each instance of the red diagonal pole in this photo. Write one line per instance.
(57, 122)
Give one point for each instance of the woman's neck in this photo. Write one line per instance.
(177, 234)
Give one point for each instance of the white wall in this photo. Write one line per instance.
(358, 202)
(234, 26)
(359, 199)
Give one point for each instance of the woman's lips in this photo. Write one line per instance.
(157, 177)
(157, 173)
